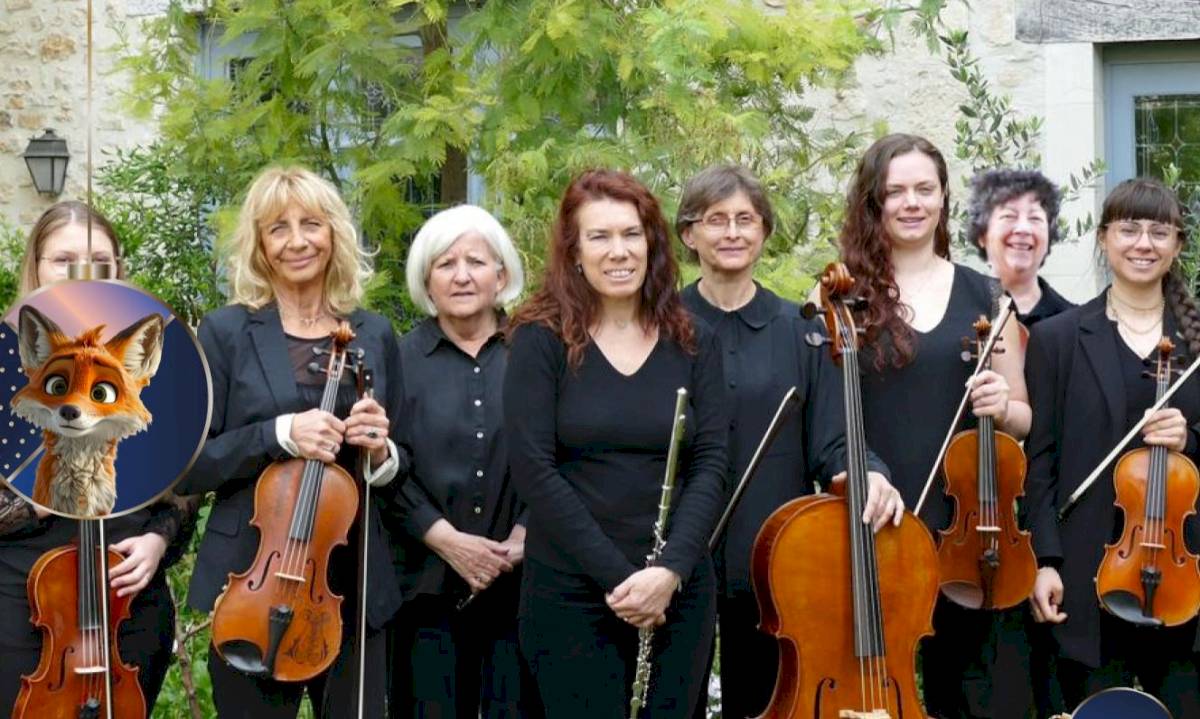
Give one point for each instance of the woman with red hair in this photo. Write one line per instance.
(589, 395)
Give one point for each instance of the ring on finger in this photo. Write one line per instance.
(372, 434)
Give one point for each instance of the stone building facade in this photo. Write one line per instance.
(1068, 61)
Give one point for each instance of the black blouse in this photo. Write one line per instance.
(765, 355)
(588, 453)
(907, 410)
(455, 451)
(1050, 304)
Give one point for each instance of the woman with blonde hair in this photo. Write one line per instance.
(295, 271)
(463, 538)
(151, 539)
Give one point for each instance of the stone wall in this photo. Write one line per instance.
(43, 81)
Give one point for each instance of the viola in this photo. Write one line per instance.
(80, 674)
(1148, 576)
(279, 619)
(985, 561)
(847, 605)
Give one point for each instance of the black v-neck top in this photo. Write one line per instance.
(588, 449)
(907, 410)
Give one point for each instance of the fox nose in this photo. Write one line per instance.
(69, 412)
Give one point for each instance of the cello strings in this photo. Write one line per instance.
(865, 668)
(871, 568)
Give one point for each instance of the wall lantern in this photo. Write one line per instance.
(47, 157)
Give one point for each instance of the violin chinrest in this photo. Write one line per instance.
(1127, 606)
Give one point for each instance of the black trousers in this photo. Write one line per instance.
(1160, 659)
(334, 694)
(583, 657)
(976, 665)
(144, 641)
(447, 663)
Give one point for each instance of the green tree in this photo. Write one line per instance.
(388, 99)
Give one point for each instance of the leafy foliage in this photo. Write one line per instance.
(989, 133)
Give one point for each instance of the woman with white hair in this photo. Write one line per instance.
(462, 541)
(296, 270)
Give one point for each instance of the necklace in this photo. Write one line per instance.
(622, 324)
(307, 323)
(1113, 297)
(1124, 323)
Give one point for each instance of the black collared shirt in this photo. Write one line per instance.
(456, 452)
(1050, 304)
(765, 354)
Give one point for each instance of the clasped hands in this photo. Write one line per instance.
(319, 435)
(478, 560)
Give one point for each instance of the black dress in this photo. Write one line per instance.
(907, 412)
(449, 662)
(765, 354)
(1086, 389)
(145, 639)
(588, 453)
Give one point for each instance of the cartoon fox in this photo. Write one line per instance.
(85, 396)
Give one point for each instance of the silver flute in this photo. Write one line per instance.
(641, 675)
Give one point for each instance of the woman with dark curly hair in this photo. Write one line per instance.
(1087, 388)
(589, 397)
(1013, 221)
(918, 307)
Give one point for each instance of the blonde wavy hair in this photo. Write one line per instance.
(269, 196)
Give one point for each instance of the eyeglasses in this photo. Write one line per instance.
(720, 221)
(1159, 234)
(63, 261)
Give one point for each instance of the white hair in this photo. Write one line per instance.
(443, 230)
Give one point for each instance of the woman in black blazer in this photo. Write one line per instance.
(1084, 373)
(295, 270)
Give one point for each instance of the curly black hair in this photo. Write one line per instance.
(992, 188)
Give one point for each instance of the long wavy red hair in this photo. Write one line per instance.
(867, 249)
(567, 304)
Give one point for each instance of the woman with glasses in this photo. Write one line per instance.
(724, 219)
(151, 539)
(1085, 372)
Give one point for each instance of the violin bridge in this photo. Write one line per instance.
(1153, 545)
(872, 714)
(290, 577)
(987, 528)
(89, 670)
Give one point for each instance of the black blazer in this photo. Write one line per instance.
(1077, 394)
(253, 384)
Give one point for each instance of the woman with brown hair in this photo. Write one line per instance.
(151, 539)
(918, 307)
(589, 394)
(725, 218)
(1087, 387)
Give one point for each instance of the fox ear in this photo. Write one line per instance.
(36, 337)
(139, 346)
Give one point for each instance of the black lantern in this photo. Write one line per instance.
(47, 157)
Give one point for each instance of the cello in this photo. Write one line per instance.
(80, 674)
(985, 560)
(279, 619)
(1148, 576)
(847, 605)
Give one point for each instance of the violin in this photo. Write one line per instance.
(847, 605)
(80, 674)
(279, 619)
(985, 561)
(1148, 576)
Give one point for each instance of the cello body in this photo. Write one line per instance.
(819, 674)
(847, 605)
(66, 681)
